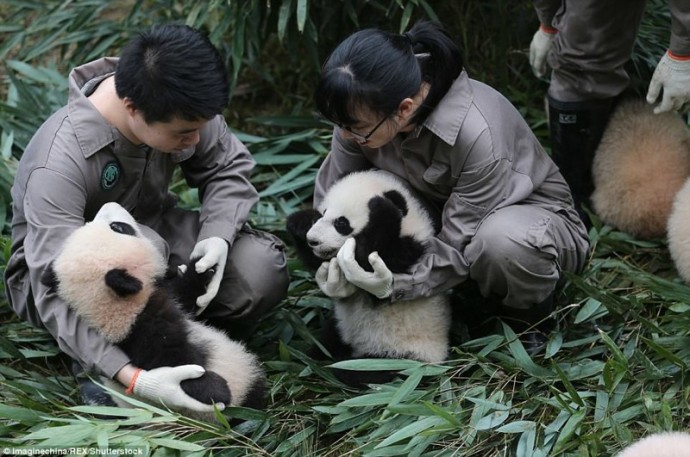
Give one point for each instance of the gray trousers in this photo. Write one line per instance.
(594, 41)
(255, 277)
(519, 252)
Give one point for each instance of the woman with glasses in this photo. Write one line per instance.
(403, 103)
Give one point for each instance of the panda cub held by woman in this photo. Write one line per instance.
(377, 210)
(113, 277)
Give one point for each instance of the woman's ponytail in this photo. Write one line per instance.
(440, 61)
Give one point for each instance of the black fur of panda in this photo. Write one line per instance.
(113, 277)
(381, 214)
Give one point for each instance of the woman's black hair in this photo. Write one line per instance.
(173, 71)
(375, 69)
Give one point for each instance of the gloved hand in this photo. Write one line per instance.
(379, 282)
(163, 385)
(539, 49)
(212, 253)
(673, 75)
(332, 281)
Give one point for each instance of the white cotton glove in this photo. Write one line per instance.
(163, 385)
(673, 76)
(379, 282)
(212, 253)
(539, 49)
(332, 281)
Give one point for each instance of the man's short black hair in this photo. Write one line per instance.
(173, 71)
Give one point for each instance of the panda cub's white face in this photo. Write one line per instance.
(338, 223)
(345, 211)
(111, 242)
(118, 219)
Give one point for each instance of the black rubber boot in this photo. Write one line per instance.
(533, 325)
(576, 129)
(91, 393)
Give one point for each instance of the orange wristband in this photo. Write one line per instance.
(135, 376)
(547, 29)
(677, 57)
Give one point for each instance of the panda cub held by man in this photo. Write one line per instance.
(377, 210)
(114, 278)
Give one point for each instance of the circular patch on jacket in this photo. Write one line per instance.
(110, 175)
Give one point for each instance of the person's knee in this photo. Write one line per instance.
(514, 256)
(494, 245)
(517, 235)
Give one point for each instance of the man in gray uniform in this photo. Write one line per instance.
(587, 44)
(128, 124)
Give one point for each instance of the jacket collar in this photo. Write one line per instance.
(93, 132)
(445, 121)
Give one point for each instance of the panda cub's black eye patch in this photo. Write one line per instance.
(342, 225)
(122, 227)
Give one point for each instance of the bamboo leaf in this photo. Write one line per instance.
(181, 445)
(377, 364)
(517, 427)
(302, 7)
(591, 308)
(407, 387)
(492, 420)
(411, 430)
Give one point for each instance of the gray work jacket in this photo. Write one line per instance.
(75, 163)
(474, 154)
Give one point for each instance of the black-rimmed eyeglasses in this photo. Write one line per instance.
(358, 136)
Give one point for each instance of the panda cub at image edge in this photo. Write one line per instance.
(641, 163)
(113, 277)
(381, 214)
(661, 444)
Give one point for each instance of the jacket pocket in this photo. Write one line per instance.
(439, 177)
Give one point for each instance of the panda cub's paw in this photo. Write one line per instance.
(209, 388)
(186, 284)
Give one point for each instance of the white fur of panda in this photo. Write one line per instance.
(413, 329)
(678, 235)
(373, 328)
(112, 246)
(641, 163)
(665, 444)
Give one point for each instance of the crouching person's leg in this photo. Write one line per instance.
(517, 256)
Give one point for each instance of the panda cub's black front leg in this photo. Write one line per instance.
(187, 286)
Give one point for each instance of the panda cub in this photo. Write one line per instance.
(381, 214)
(113, 277)
(641, 163)
(660, 444)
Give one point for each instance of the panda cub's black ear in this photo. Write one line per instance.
(398, 200)
(122, 282)
(49, 278)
